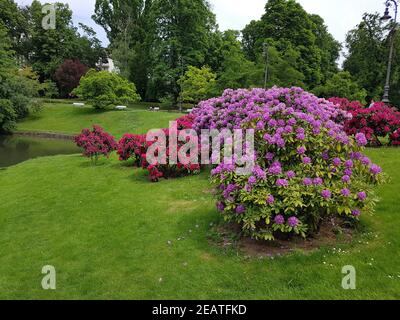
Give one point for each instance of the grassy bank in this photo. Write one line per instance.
(65, 118)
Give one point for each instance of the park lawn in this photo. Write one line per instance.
(107, 229)
(67, 119)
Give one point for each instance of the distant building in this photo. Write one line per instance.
(107, 65)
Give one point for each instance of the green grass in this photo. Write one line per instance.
(65, 118)
(106, 229)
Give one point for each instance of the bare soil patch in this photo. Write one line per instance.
(332, 232)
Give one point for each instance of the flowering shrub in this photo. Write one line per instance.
(132, 146)
(375, 122)
(135, 147)
(185, 122)
(95, 142)
(395, 138)
(307, 168)
(166, 169)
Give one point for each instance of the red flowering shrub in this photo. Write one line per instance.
(346, 104)
(132, 146)
(185, 122)
(375, 122)
(95, 142)
(166, 169)
(135, 147)
(395, 138)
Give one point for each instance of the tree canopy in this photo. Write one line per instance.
(159, 45)
(287, 27)
(197, 84)
(367, 56)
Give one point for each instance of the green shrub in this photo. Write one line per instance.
(343, 86)
(167, 102)
(8, 116)
(17, 93)
(104, 89)
(49, 90)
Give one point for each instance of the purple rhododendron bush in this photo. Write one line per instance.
(307, 168)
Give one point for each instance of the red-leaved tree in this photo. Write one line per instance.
(68, 75)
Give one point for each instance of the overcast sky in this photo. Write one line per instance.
(339, 15)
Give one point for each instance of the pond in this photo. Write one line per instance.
(16, 149)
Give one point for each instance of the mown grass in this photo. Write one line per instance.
(65, 118)
(111, 234)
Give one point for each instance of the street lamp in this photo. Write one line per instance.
(387, 17)
(266, 58)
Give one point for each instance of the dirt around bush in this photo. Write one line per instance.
(333, 231)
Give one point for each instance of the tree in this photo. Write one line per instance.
(290, 27)
(235, 70)
(68, 75)
(197, 84)
(182, 31)
(329, 47)
(7, 113)
(13, 20)
(45, 50)
(342, 85)
(104, 89)
(8, 117)
(367, 56)
(128, 28)
(17, 88)
(281, 67)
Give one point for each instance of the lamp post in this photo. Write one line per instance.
(266, 58)
(387, 17)
(181, 63)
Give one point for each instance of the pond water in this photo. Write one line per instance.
(16, 149)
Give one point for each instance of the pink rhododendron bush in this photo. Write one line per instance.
(164, 168)
(134, 147)
(95, 143)
(307, 169)
(376, 122)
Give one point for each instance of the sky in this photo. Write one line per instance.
(340, 15)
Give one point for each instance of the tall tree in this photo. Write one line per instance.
(45, 50)
(329, 47)
(14, 22)
(182, 33)
(235, 70)
(290, 27)
(17, 87)
(128, 28)
(366, 60)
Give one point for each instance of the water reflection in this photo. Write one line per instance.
(14, 149)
